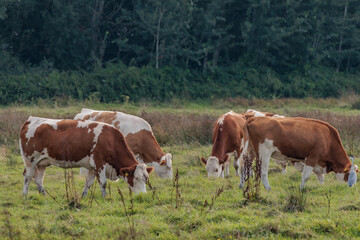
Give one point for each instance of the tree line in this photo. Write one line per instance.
(188, 48)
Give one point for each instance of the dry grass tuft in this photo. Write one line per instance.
(180, 128)
(10, 124)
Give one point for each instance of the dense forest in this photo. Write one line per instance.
(116, 50)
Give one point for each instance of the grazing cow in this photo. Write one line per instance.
(96, 146)
(138, 135)
(227, 141)
(253, 113)
(315, 143)
(297, 165)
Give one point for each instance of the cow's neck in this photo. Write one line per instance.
(144, 145)
(220, 149)
(340, 160)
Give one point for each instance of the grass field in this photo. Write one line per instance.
(196, 207)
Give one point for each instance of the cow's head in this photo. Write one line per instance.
(349, 176)
(164, 168)
(136, 176)
(213, 166)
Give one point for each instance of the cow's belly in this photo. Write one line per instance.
(280, 157)
(85, 162)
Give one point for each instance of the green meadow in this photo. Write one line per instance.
(191, 206)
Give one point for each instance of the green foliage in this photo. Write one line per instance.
(119, 83)
(117, 51)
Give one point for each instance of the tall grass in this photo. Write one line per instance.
(179, 128)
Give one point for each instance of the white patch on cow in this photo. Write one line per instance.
(278, 116)
(35, 122)
(220, 120)
(221, 129)
(130, 123)
(83, 124)
(266, 149)
(140, 178)
(213, 167)
(257, 113)
(126, 123)
(340, 177)
(97, 131)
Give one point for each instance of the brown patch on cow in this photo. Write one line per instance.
(301, 138)
(145, 144)
(227, 136)
(117, 124)
(106, 117)
(67, 142)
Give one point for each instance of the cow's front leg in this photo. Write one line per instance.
(227, 169)
(89, 181)
(102, 181)
(305, 176)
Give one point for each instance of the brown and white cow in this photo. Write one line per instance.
(138, 135)
(315, 143)
(96, 146)
(227, 141)
(254, 113)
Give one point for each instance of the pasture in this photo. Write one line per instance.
(191, 206)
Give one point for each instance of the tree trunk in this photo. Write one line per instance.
(216, 56)
(95, 31)
(341, 41)
(158, 39)
(205, 63)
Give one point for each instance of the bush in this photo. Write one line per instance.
(119, 83)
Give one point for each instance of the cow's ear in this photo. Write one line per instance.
(203, 160)
(150, 169)
(126, 171)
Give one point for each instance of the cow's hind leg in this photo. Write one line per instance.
(236, 165)
(321, 178)
(264, 157)
(284, 165)
(102, 181)
(29, 173)
(39, 178)
(90, 178)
